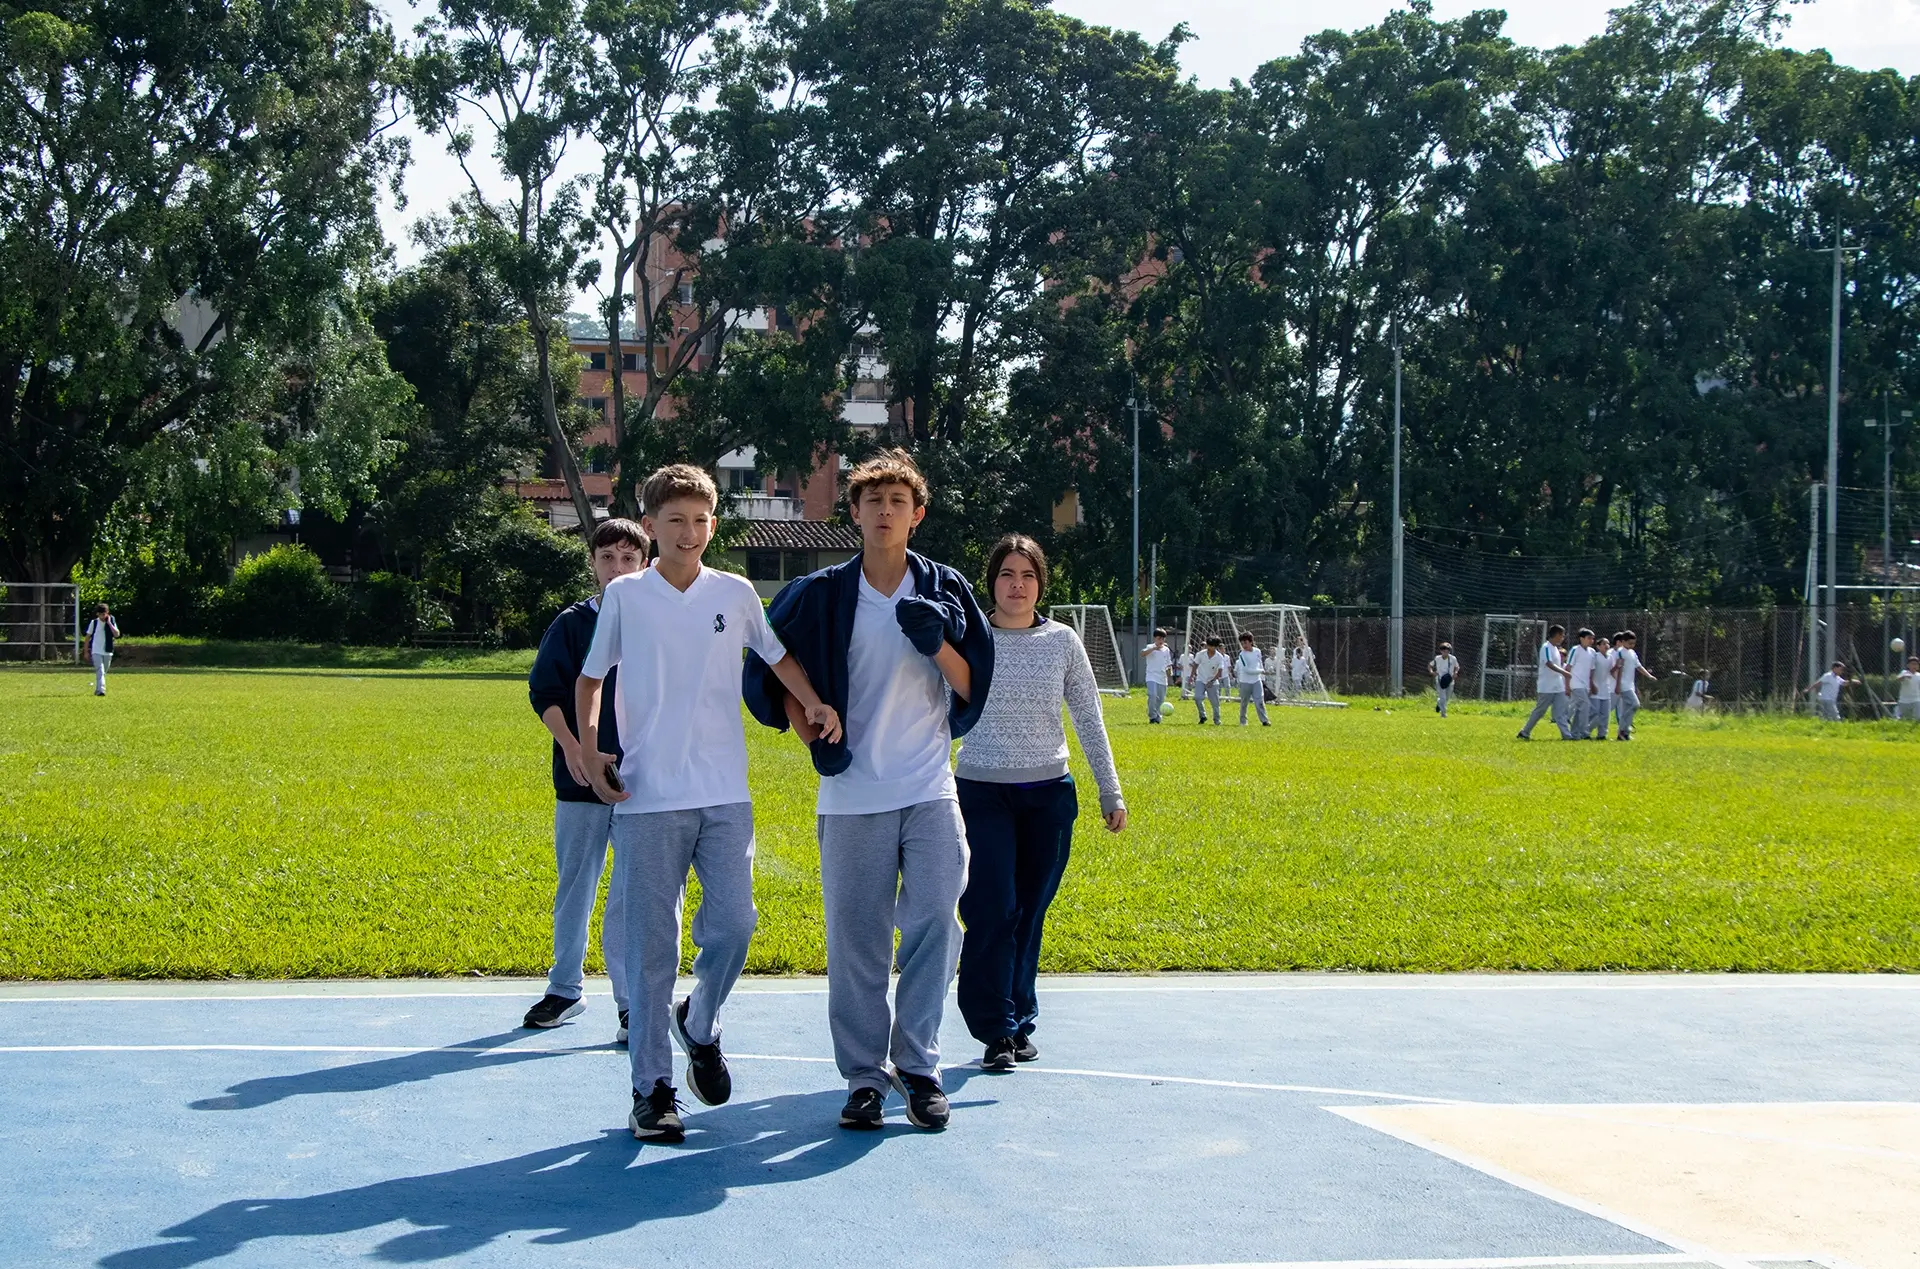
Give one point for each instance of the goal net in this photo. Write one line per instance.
(1280, 632)
(1509, 645)
(1094, 624)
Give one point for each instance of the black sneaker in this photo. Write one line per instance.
(620, 1036)
(865, 1108)
(1024, 1049)
(926, 1104)
(707, 1075)
(552, 1011)
(999, 1054)
(656, 1115)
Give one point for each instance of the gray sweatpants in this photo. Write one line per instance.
(1252, 694)
(1207, 692)
(1156, 694)
(101, 660)
(1579, 713)
(1828, 711)
(1545, 703)
(658, 848)
(1907, 711)
(1599, 709)
(1625, 706)
(580, 834)
(894, 870)
(1441, 695)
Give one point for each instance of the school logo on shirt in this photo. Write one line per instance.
(719, 623)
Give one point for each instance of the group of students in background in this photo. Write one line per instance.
(1827, 688)
(877, 665)
(1578, 688)
(1203, 674)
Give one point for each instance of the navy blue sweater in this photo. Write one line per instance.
(563, 650)
(813, 615)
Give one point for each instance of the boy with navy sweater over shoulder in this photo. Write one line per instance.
(899, 645)
(677, 633)
(582, 823)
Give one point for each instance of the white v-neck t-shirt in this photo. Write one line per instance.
(677, 699)
(897, 736)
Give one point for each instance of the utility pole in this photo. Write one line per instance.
(1833, 457)
(1886, 426)
(1136, 402)
(1153, 586)
(1396, 650)
(1814, 668)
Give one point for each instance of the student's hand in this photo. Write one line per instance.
(576, 765)
(827, 720)
(1116, 819)
(597, 767)
(922, 621)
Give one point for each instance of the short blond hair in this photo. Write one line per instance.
(676, 481)
(889, 467)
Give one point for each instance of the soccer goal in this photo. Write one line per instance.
(1094, 624)
(1509, 646)
(1280, 632)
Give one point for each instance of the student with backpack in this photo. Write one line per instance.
(1445, 668)
(100, 634)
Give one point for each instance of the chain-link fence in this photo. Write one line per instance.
(1752, 659)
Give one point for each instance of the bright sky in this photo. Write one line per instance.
(1232, 37)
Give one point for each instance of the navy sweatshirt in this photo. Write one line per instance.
(813, 615)
(563, 650)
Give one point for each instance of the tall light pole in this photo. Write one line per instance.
(1833, 457)
(1886, 426)
(1396, 651)
(1136, 402)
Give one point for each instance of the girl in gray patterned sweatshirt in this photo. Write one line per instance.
(1019, 803)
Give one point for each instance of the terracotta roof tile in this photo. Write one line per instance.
(800, 535)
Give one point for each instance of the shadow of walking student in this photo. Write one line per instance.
(564, 1194)
(365, 1077)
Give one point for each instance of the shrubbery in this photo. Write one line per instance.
(282, 594)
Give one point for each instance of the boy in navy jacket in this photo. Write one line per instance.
(898, 646)
(582, 823)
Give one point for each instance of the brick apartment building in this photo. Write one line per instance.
(788, 514)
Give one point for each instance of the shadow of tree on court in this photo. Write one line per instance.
(570, 1193)
(365, 1077)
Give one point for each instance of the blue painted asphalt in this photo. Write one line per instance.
(413, 1123)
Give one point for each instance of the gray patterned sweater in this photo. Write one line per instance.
(1019, 738)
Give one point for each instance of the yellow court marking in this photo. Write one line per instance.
(1838, 1180)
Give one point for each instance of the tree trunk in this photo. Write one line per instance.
(569, 468)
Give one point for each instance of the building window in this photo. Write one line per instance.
(686, 293)
(740, 480)
(598, 405)
(596, 361)
(629, 361)
(795, 564)
(763, 566)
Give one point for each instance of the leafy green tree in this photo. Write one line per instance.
(182, 191)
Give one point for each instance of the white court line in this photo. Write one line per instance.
(1263, 1088)
(1621, 1261)
(18, 993)
(1522, 1182)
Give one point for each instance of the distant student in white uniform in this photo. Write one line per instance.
(1302, 666)
(1187, 660)
(1581, 661)
(1210, 678)
(1907, 707)
(1550, 686)
(1600, 702)
(1826, 690)
(1699, 694)
(1627, 673)
(1250, 675)
(101, 632)
(1445, 668)
(1158, 659)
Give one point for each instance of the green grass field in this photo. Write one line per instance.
(286, 822)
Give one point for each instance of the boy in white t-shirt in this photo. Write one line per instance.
(1600, 698)
(1445, 668)
(101, 632)
(1907, 692)
(1550, 686)
(1210, 678)
(1581, 660)
(1250, 676)
(1627, 673)
(1158, 659)
(903, 641)
(1826, 690)
(1187, 662)
(1301, 667)
(677, 632)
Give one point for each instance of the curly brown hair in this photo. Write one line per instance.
(889, 467)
